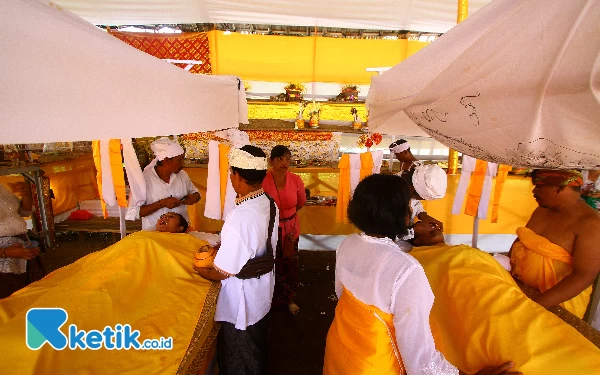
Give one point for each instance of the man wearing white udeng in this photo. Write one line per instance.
(168, 187)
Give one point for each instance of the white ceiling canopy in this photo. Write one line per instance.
(435, 16)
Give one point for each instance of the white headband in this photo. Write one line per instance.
(400, 148)
(243, 160)
(430, 181)
(166, 148)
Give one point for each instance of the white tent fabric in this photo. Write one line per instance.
(63, 79)
(436, 16)
(518, 83)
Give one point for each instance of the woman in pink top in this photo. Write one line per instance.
(287, 189)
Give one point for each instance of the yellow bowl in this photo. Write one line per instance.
(205, 256)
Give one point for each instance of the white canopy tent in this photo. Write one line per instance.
(63, 79)
(517, 83)
(436, 16)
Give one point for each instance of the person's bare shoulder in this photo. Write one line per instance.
(537, 219)
(589, 222)
(587, 232)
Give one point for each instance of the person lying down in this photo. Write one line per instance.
(478, 305)
(171, 222)
(478, 316)
(144, 280)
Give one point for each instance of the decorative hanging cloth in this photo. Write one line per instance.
(477, 176)
(213, 207)
(220, 195)
(353, 168)
(500, 179)
(135, 177)
(377, 160)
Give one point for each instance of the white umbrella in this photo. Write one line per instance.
(517, 83)
(62, 79)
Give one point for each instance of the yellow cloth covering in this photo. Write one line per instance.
(361, 340)
(145, 280)
(541, 264)
(480, 317)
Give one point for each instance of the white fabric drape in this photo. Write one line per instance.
(468, 166)
(486, 192)
(135, 177)
(212, 209)
(377, 159)
(230, 195)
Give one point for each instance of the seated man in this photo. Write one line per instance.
(426, 182)
(557, 252)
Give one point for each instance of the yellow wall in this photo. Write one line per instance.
(516, 205)
(73, 180)
(304, 59)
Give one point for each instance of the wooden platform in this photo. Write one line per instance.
(97, 224)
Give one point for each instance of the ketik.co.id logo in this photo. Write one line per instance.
(43, 326)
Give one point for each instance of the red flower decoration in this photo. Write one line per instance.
(369, 142)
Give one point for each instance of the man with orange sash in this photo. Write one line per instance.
(557, 252)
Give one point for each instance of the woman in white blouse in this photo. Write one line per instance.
(381, 323)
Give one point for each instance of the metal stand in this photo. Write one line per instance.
(33, 175)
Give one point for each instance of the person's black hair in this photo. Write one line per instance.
(398, 142)
(279, 151)
(380, 206)
(182, 222)
(252, 177)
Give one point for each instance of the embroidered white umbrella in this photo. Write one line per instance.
(516, 83)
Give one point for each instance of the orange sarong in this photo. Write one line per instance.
(541, 264)
(361, 340)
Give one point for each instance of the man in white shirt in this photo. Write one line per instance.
(244, 303)
(168, 187)
(425, 181)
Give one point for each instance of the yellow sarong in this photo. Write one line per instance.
(361, 340)
(541, 264)
(480, 317)
(145, 280)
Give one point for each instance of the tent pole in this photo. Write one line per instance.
(475, 231)
(391, 163)
(462, 14)
(122, 224)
